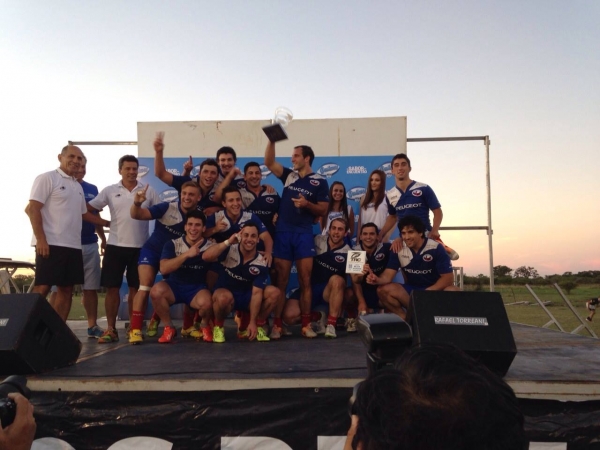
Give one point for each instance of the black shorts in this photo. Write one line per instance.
(64, 267)
(116, 260)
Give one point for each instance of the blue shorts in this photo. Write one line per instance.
(149, 257)
(293, 246)
(241, 300)
(317, 295)
(184, 293)
(370, 295)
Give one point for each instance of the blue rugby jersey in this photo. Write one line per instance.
(264, 205)
(424, 267)
(170, 224)
(239, 277)
(418, 200)
(313, 187)
(232, 227)
(328, 262)
(193, 270)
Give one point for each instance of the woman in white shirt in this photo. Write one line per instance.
(338, 207)
(374, 204)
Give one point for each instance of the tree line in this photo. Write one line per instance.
(529, 275)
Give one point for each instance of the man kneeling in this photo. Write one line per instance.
(181, 259)
(242, 284)
(425, 266)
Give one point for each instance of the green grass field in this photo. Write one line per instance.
(529, 314)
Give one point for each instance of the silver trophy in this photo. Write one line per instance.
(276, 131)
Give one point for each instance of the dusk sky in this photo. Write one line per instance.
(524, 73)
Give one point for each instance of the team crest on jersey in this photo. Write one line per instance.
(211, 196)
(379, 257)
(417, 193)
(254, 270)
(339, 258)
(427, 258)
(315, 182)
(269, 200)
(241, 184)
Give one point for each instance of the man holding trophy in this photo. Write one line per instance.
(305, 197)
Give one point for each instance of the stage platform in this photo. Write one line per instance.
(548, 365)
(181, 392)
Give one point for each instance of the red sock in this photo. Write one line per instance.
(315, 316)
(196, 317)
(219, 323)
(245, 320)
(136, 320)
(305, 320)
(155, 317)
(260, 322)
(331, 320)
(188, 318)
(277, 322)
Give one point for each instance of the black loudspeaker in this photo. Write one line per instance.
(475, 322)
(33, 337)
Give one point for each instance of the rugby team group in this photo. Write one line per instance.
(228, 244)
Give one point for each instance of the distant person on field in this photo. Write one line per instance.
(436, 398)
(56, 209)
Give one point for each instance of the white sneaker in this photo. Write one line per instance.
(308, 332)
(330, 332)
(320, 325)
(351, 325)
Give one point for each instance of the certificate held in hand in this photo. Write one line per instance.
(356, 261)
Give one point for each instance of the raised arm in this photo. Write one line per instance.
(226, 182)
(136, 211)
(213, 252)
(159, 163)
(274, 166)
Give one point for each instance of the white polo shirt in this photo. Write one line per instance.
(64, 203)
(125, 231)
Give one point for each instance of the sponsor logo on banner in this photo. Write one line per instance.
(195, 171)
(387, 169)
(417, 193)
(174, 171)
(427, 258)
(356, 170)
(142, 171)
(264, 171)
(168, 196)
(356, 192)
(327, 170)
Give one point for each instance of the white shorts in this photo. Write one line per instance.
(91, 267)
